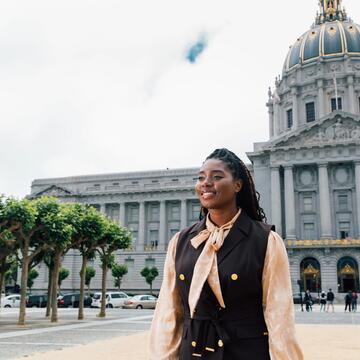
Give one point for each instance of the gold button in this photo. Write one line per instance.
(265, 333)
(234, 277)
(220, 343)
(193, 344)
(182, 277)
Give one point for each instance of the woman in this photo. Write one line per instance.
(226, 292)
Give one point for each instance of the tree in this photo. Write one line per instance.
(58, 234)
(21, 218)
(63, 274)
(89, 274)
(115, 237)
(33, 274)
(149, 275)
(118, 271)
(89, 226)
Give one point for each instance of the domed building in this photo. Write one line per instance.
(312, 160)
(313, 155)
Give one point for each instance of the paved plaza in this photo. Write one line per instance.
(123, 334)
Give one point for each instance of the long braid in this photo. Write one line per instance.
(248, 198)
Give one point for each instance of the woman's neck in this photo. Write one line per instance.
(220, 216)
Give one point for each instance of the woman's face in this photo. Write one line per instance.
(216, 187)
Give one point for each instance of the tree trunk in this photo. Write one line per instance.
(54, 282)
(119, 284)
(151, 288)
(103, 290)
(2, 276)
(49, 290)
(82, 287)
(24, 278)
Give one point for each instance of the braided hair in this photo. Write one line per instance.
(248, 198)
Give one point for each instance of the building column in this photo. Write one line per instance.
(163, 227)
(183, 212)
(351, 93)
(277, 127)
(271, 119)
(141, 232)
(289, 203)
(324, 195)
(357, 191)
(276, 198)
(103, 209)
(321, 103)
(122, 214)
(295, 108)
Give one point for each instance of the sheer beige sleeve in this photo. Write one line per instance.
(167, 324)
(278, 302)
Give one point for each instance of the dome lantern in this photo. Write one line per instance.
(330, 10)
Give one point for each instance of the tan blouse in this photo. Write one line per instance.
(167, 324)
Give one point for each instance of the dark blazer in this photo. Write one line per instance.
(238, 331)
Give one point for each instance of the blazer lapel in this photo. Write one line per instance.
(237, 234)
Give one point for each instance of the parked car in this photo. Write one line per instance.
(113, 299)
(10, 301)
(39, 300)
(140, 302)
(73, 300)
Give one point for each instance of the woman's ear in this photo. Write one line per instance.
(238, 185)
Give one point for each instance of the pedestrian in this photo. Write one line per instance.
(322, 301)
(330, 300)
(226, 292)
(308, 300)
(354, 298)
(348, 301)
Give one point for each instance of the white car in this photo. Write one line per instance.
(10, 301)
(113, 299)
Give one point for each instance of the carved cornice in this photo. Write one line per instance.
(322, 243)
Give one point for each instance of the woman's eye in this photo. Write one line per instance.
(217, 177)
(201, 178)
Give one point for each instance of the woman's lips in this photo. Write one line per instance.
(208, 195)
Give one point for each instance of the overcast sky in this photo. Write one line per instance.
(89, 87)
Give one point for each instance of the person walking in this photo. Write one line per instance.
(348, 301)
(322, 301)
(330, 300)
(354, 298)
(226, 291)
(308, 300)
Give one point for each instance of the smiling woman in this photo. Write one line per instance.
(226, 292)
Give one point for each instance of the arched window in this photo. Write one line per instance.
(310, 275)
(348, 274)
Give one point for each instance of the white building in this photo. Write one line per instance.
(312, 159)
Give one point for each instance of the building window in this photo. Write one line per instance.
(308, 204)
(153, 213)
(150, 263)
(335, 106)
(130, 265)
(344, 229)
(173, 232)
(310, 111)
(154, 238)
(289, 116)
(133, 214)
(195, 211)
(309, 231)
(343, 202)
(174, 212)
